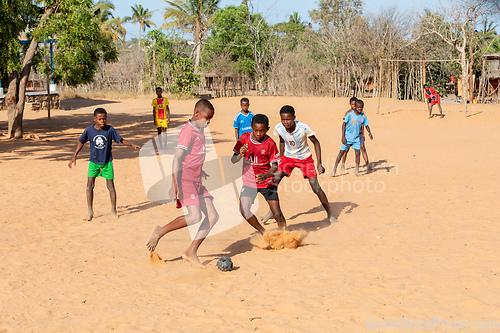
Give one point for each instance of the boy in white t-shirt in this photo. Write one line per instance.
(295, 153)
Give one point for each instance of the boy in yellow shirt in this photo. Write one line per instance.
(161, 113)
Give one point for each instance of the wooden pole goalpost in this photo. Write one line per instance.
(411, 60)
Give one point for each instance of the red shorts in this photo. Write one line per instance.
(307, 167)
(190, 193)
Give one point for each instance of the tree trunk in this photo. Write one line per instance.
(465, 78)
(11, 100)
(471, 80)
(16, 110)
(197, 58)
(139, 39)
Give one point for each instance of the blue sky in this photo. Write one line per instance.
(273, 10)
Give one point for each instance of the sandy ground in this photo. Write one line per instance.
(416, 240)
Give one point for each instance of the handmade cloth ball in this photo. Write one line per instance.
(225, 264)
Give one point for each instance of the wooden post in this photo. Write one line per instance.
(465, 85)
(379, 86)
(48, 96)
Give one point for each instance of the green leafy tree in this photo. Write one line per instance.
(229, 39)
(335, 14)
(80, 46)
(142, 16)
(162, 49)
(191, 16)
(183, 78)
(293, 30)
(111, 26)
(16, 16)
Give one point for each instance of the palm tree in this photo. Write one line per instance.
(112, 27)
(192, 16)
(116, 29)
(102, 10)
(295, 18)
(142, 16)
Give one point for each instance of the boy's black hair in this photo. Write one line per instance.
(426, 85)
(99, 111)
(288, 109)
(244, 99)
(353, 99)
(260, 119)
(358, 101)
(159, 88)
(204, 104)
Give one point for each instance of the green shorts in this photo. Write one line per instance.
(105, 171)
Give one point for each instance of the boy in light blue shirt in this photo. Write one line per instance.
(350, 135)
(243, 120)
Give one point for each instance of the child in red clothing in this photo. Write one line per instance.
(432, 98)
(186, 184)
(261, 158)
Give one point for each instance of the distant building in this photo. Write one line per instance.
(488, 84)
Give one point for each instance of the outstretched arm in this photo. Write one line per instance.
(317, 149)
(130, 144)
(154, 116)
(237, 156)
(73, 160)
(369, 132)
(168, 114)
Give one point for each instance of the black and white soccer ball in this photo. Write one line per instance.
(225, 264)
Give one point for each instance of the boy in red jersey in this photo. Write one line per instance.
(187, 186)
(432, 98)
(261, 158)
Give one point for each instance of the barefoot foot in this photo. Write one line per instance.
(89, 217)
(333, 172)
(153, 238)
(332, 219)
(114, 214)
(342, 167)
(357, 173)
(193, 259)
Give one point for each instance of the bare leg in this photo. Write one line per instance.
(344, 157)
(269, 215)
(274, 205)
(440, 110)
(337, 161)
(158, 232)
(112, 195)
(164, 136)
(159, 137)
(430, 111)
(245, 205)
(358, 158)
(365, 157)
(90, 198)
(279, 175)
(191, 254)
(322, 198)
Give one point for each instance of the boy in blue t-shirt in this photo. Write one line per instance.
(351, 134)
(100, 136)
(243, 120)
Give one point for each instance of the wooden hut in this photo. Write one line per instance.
(490, 76)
